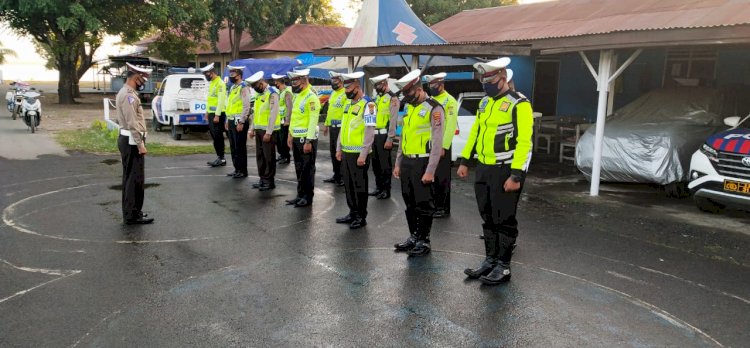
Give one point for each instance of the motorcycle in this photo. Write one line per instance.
(14, 98)
(31, 110)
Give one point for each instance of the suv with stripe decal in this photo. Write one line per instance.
(720, 169)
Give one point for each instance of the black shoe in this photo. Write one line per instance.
(406, 245)
(499, 274)
(384, 195)
(345, 219)
(257, 185)
(292, 201)
(267, 187)
(331, 180)
(340, 183)
(420, 249)
(285, 160)
(302, 203)
(142, 214)
(218, 162)
(484, 268)
(440, 214)
(239, 175)
(375, 193)
(232, 173)
(358, 223)
(139, 221)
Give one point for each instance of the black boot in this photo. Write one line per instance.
(422, 247)
(410, 242)
(490, 250)
(501, 272)
(375, 192)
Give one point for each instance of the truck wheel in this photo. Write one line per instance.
(155, 125)
(175, 135)
(707, 205)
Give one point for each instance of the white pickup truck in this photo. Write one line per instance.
(180, 103)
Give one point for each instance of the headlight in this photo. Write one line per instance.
(710, 153)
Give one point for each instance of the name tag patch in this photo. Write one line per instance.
(504, 106)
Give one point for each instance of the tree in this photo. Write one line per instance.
(70, 31)
(179, 27)
(6, 52)
(433, 11)
(265, 19)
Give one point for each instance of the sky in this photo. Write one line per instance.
(28, 65)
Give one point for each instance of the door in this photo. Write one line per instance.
(546, 82)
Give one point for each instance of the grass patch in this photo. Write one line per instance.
(99, 140)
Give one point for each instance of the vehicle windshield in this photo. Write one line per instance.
(744, 122)
(469, 106)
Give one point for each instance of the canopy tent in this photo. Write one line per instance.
(392, 22)
(279, 66)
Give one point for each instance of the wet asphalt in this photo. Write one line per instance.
(225, 265)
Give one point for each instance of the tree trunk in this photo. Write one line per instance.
(236, 43)
(65, 85)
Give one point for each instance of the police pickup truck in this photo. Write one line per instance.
(720, 169)
(180, 103)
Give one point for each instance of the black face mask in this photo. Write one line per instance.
(141, 87)
(351, 95)
(335, 86)
(410, 99)
(296, 89)
(258, 89)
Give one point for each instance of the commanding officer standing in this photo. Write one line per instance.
(266, 126)
(382, 164)
(132, 145)
(303, 138)
(436, 84)
(332, 125)
(286, 98)
(238, 114)
(353, 149)
(501, 139)
(416, 161)
(217, 98)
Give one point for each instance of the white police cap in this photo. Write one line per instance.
(352, 76)
(232, 67)
(492, 66)
(207, 68)
(509, 72)
(143, 71)
(277, 77)
(436, 77)
(379, 78)
(255, 77)
(334, 74)
(298, 73)
(409, 79)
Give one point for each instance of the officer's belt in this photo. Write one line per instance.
(127, 133)
(421, 155)
(381, 131)
(336, 123)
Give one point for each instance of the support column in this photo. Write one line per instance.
(414, 61)
(351, 64)
(605, 63)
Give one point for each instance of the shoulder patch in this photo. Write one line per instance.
(371, 115)
(312, 105)
(273, 89)
(483, 104)
(131, 99)
(504, 106)
(437, 117)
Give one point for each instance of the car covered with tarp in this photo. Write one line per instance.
(651, 139)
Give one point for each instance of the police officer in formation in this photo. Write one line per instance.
(216, 102)
(436, 85)
(501, 140)
(416, 161)
(132, 145)
(303, 136)
(239, 115)
(332, 125)
(266, 126)
(285, 112)
(385, 131)
(353, 148)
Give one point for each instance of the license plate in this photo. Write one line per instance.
(737, 186)
(191, 118)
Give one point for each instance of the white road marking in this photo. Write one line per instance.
(622, 276)
(56, 272)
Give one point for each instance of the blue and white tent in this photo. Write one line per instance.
(391, 22)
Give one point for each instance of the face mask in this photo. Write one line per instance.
(351, 95)
(491, 89)
(141, 87)
(296, 89)
(410, 98)
(258, 90)
(334, 86)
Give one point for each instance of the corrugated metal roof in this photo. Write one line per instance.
(570, 18)
(305, 38)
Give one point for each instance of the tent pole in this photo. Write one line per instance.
(406, 65)
(414, 61)
(427, 64)
(350, 64)
(605, 63)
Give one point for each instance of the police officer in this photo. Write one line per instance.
(303, 136)
(217, 96)
(416, 161)
(286, 98)
(132, 145)
(436, 85)
(385, 131)
(266, 126)
(239, 114)
(501, 140)
(332, 125)
(353, 148)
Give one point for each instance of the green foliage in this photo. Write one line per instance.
(4, 52)
(179, 25)
(433, 11)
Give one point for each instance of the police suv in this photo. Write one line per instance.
(720, 170)
(180, 103)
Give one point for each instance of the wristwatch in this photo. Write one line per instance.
(308, 141)
(515, 178)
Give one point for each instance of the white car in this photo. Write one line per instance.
(468, 103)
(180, 104)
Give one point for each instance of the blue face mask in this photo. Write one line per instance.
(491, 89)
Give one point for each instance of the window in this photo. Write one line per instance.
(690, 67)
(188, 83)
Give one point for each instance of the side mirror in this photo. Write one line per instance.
(732, 121)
